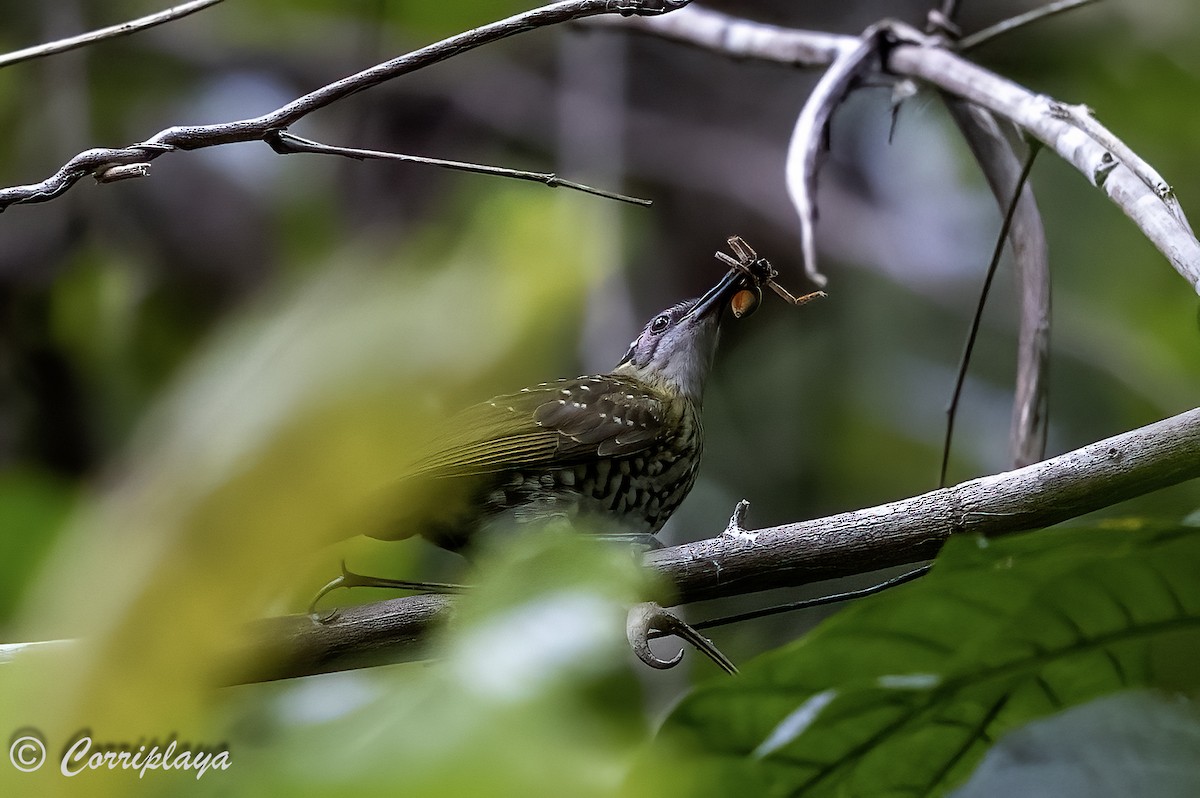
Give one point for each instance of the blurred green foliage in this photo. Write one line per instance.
(532, 694)
(206, 375)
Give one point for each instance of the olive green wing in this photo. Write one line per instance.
(562, 422)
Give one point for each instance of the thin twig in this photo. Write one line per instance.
(940, 21)
(191, 137)
(968, 347)
(1020, 20)
(286, 143)
(111, 32)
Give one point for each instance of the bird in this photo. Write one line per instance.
(613, 454)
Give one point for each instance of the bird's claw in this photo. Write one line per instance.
(649, 619)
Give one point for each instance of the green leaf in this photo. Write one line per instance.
(904, 693)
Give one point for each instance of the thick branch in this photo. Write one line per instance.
(1087, 479)
(191, 137)
(1096, 476)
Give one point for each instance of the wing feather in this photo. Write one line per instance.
(561, 422)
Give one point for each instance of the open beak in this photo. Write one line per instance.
(718, 297)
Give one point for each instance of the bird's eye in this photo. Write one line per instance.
(660, 323)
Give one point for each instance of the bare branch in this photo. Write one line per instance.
(286, 143)
(193, 137)
(1158, 218)
(359, 637)
(111, 32)
(1081, 117)
(1087, 479)
(1095, 476)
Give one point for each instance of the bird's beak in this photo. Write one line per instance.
(717, 298)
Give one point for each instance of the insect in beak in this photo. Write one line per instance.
(761, 272)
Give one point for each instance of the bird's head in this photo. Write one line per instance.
(675, 350)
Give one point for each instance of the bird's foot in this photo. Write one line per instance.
(649, 620)
(736, 528)
(349, 579)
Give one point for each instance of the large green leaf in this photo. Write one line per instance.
(903, 694)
